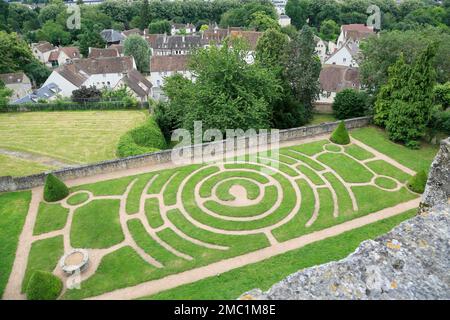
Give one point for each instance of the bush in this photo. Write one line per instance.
(54, 189)
(340, 134)
(144, 139)
(43, 286)
(418, 182)
(350, 103)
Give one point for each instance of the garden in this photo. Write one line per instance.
(146, 227)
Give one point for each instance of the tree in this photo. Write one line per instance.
(242, 15)
(329, 30)
(5, 94)
(411, 105)
(54, 189)
(349, 103)
(340, 134)
(298, 11)
(271, 47)
(54, 33)
(90, 39)
(37, 72)
(159, 27)
(86, 94)
(138, 47)
(260, 21)
(228, 92)
(302, 69)
(145, 15)
(14, 52)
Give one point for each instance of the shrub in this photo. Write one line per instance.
(418, 182)
(86, 94)
(54, 189)
(43, 286)
(144, 139)
(340, 134)
(350, 103)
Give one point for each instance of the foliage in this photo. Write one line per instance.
(417, 183)
(271, 47)
(37, 72)
(139, 48)
(86, 94)
(411, 104)
(145, 15)
(439, 121)
(5, 94)
(162, 26)
(243, 16)
(144, 139)
(349, 103)
(54, 33)
(260, 21)
(296, 10)
(381, 52)
(43, 286)
(441, 94)
(329, 30)
(340, 134)
(14, 52)
(54, 189)
(302, 69)
(89, 39)
(228, 92)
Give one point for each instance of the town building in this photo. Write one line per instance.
(18, 82)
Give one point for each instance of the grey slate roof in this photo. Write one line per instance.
(45, 92)
(110, 35)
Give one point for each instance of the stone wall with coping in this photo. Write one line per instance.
(8, 183)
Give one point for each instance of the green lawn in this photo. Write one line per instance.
(206, 227)
(71, 136)
(413, 159)
(12, 166)
(230, 285)
(13, 211)
(319, 118)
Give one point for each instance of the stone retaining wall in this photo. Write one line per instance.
(22, 183)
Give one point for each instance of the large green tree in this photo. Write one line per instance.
(137, 47)
(89, 39)
(298, 11)
(302, 68)
(14, 52)
(161, 26)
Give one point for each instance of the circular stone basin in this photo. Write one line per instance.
(386, 183)
(76, 260)
(78, 198)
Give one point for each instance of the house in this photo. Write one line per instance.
(333, 79)
(118, 47)
(63, 55)
(354, 33)
(284, 20)
(178, 28)
(166, 66)
(42, 50)
(112, 36)
(101, 73)
(110, 52)
(135, 31)
(18, 82)
(321, 48)
(47, 92)
(137, 84)
(345, 56)
(280, 5)
(164, 45)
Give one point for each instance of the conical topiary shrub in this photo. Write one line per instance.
(43, 286)
(340, 134)
(418, 182)
(54, 189)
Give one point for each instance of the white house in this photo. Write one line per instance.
(355, 33)
(18, 82)
(42, 50)
(162, 67)
(345, 56)
(284, 20)
(280, 5)
(137, 84)
(101, 73)
(322, 48)
(178, 28)
(333, 79)
(63, 55)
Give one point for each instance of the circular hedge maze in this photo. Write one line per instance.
(145, 227)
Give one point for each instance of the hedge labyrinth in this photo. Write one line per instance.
(166, 222)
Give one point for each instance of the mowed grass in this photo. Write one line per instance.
(13, 210)
(231, 284)
(71, 136)
(414, 159)
(12, 166)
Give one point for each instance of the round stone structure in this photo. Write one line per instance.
(74, 261)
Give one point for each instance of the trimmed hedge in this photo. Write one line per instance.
(144, 139)
(340, 134)
(417, 183)
(54, 189)
(349, 103)
(73, 106)
(43, 286)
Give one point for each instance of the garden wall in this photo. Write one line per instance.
(23, 183)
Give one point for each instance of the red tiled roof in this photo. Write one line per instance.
(168, 63)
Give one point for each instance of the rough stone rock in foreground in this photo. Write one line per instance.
(410, 262)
